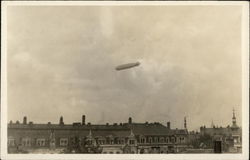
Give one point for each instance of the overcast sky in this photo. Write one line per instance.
(61, 62)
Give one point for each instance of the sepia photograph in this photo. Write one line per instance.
(121, 80)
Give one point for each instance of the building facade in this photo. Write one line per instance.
(88, 138)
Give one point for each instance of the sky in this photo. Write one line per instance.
(61, 62)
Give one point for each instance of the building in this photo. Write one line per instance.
(78, 137)
(230, 136)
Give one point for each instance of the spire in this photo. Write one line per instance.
(234, 114)
(212, 124)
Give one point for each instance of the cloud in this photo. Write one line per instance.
(61, 61)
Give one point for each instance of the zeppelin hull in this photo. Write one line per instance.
(127, 66)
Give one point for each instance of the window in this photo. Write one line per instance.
(167, 140)
(40, 142)
(173, 139)
(181, 139)
(143, 140)
(89, 142)
(11, 142)
(120, 141)
(101, 141)
(155, 139)
(131, 142)
(150, 139)
(162, 139)
(111, 141)
(63, 141)
(26, 142)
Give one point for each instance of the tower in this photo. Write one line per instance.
(129, 120)
(185, 123)
(83, 119)
(25, 120)
(234, 125)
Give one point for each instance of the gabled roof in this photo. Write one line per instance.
(124, 130)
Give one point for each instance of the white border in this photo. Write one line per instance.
(245, 84)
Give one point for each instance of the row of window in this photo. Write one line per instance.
(39, 142)
(161, 140)
(64, 141)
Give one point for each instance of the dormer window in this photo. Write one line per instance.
(142, 140)
(131, 141)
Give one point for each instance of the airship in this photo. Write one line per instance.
(127, 66)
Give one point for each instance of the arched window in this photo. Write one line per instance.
(150, 140)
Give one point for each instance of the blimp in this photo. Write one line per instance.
(127, 66)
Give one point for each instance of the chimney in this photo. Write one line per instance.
(168, 125)
(24, 120)
(83, 119)
(130, 120)
(61, 121)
